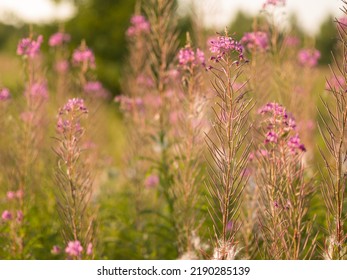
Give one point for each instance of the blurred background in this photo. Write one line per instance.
(103, 25)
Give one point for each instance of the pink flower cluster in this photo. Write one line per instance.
(274, 3)
(139, 25)
(188, 58)
(14, 194)
(291, 41)
(74, 249)
(279, 127)
(151, 181)
(96, 89)
(69, 115)
(37, 90)
(62, 66)
(29, 47)
(224, 46)
(72, 106)
(256, 41)
(309, 57)
(59, 39)
(83, 55)
(129, 104)
(8, 216)
(4, 94)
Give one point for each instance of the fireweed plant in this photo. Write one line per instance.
(187, 119)
(74, 179)
(284, 198)
(228, 146)
(333, 129)
(190, 124)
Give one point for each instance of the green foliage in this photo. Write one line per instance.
(326, 40)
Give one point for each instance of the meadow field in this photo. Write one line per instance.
(226, 146)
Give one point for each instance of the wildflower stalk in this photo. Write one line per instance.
(333, 129)
(284, 192)
(228, 148)
(163, 46)
(189, 149)
(74, 179)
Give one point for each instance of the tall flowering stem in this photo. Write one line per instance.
(74, 179)
(163, 45)
(333, 129)
(227, 144)
(284, 192)
(190, 126)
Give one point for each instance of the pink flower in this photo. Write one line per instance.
(74, 105)
(56, 250)
(29, 47)
(291, 41)
(58, 39)
(271, 137)
(70, 114)
(74, 249)
(295, 145)
(274, 3)
(83, 55)
(188, 58)
(89, 249)
(152, 181)
(6, 215)
(308, 57)
(139, 25)
(37, 90)
(62, 66)
(10, 195)
(19, 216)
(256, 41)
(4, 94)
(96, 89)
(223, 46)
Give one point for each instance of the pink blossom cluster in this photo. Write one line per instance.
(69, 115)
(309, 57)
(62, 66)
(83, 55)
(188, 58)
(59, 39)
(224, 46)
(4, 94)
(74, 105)
(291, 41)
(129, 104)
(274, 3)
(139, 25)
(14, 194)
(74, 249)
(95, 89)
(8, 216)
(280, 126)
(37, 90)
(151, 181)
(29, 47)
(256, 41)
